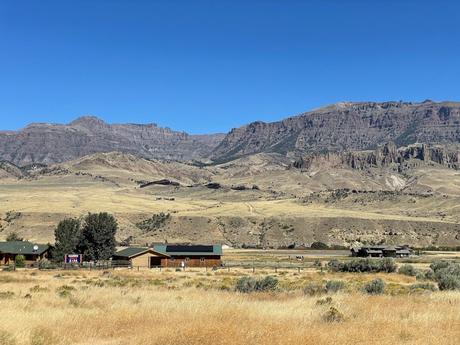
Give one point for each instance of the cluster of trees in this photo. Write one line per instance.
(93, 236)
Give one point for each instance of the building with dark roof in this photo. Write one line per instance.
(32, 252)
(382, 251)
(167, 255)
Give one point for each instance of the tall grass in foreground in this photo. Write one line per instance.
(76, 308)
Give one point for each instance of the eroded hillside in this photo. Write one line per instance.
(263, 200)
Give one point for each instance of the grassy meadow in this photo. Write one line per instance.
(198, 306)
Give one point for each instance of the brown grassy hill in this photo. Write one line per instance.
(260, 200)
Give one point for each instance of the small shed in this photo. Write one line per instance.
(32, 252)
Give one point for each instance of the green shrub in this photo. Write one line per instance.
(333, 286)
(447, 275)
(20, 261)
(313, 289)
(268, 283)
(375, 287)
(425, 275)
(449, 282)
(249, 284)
(319, 245)
(386, 265)
(437, 265)
(429, 274)
(408, 270)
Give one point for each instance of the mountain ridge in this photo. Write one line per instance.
(347, 126)
(55, 143)
(340, 127)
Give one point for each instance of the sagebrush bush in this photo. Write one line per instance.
(386, 265)
(249, 284)
(448, 282)
(447, 275)
(333, 315)
(375, 287)
(268, 283)
(335, 285)
(437, 265)
(408, 270)
(423, 286)
(313, 289)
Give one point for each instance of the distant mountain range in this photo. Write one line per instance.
(55, 143)
(336, 128)
(347, 127)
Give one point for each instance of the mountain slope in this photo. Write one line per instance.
(265, 200)
(54, 143)
(347, 126)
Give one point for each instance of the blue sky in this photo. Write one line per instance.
(208, 66)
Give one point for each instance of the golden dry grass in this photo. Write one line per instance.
(151, 307)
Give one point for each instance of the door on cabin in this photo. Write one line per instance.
(155, 261)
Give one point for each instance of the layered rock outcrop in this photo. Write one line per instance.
(52, 143)
(386, 156)
(347, 127)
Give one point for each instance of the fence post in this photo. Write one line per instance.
(138, 268)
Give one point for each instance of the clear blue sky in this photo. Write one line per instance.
(208, 66)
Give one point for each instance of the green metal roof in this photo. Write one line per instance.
(162, 249)
(22, 247)
(135, 251)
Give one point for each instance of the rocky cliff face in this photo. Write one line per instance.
(50, 143)
(347, 126)
(386, 156)
(337, 128)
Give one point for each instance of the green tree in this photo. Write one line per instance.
(67, 238)
(13, 236)
(98, 236)
(20, 261)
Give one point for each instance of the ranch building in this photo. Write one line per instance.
(32, 252)
(382, 251)
(166, 255)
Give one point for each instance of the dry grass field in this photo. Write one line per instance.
(130, 307)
